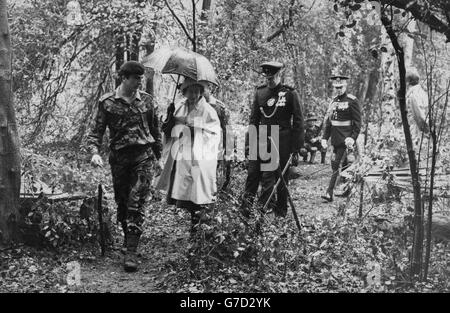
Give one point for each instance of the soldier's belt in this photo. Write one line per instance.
(341, 123)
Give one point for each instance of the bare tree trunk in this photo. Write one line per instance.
(149, 72)
(9, 141)
(416, 266)
(119, 46)
(194, 30)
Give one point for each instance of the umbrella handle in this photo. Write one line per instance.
(175, 93)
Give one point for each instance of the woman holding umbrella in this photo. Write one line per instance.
(191, 145)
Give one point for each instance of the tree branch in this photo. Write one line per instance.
(179, 22)
(285, 25)
(422, 12)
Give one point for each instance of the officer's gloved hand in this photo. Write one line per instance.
(97, 160)
(170, 109)
(324, 144)
(349, 142)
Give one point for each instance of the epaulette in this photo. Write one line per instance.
(351, 96)
(144, 93)
(262, 86)
(288, 87)
(106, 96)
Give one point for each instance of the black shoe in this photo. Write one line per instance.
(280, 213)
(343, 194)
(130, 263)
(328, 197)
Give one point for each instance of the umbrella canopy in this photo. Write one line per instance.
(182, 62)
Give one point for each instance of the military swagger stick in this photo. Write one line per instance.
(283, 181)
(100, 219)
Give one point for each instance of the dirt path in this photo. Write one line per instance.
(167, 238)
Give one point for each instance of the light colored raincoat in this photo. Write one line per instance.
(194, 162)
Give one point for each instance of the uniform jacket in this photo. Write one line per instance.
(279, 106)
(132, 124)
(194, 162)
(312, 133)
(344, 109)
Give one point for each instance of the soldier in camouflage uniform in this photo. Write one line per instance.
(312, 139)
(135, 143)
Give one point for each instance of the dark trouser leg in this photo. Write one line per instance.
(308, 149)
(121, 184)
(323, 155)
(251, 186)
(268, 180)
(338, 154)
(282, 191)
(313, 156)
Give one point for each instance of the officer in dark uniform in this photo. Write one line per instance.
(273, 104)
(343, 126)
(135, 143)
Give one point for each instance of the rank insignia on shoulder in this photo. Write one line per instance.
(106, 96)
(262, 86)
(351, 96)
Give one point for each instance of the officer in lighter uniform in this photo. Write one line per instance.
(343, 126)
(274, 104)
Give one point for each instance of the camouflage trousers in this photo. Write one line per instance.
(132, 170)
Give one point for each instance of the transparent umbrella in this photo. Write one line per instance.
(181, 61)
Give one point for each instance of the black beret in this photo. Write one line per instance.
(132, 68)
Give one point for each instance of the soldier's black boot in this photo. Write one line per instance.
(313, 156)
(130, 263)
(322, 160)
(328, 196)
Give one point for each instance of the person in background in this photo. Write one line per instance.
(343, 125)
(313, 139)
(417, 107)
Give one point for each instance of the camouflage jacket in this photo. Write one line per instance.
(132, 124)
(311, 133)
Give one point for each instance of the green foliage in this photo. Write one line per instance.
(64, 222)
